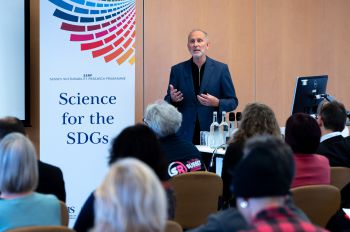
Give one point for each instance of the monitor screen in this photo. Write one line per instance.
(14, 60)
(308, 93)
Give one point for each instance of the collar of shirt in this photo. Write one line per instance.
(329, 135)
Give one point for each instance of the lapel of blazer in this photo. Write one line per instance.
(208, 72)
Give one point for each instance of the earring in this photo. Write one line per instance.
(243, 204)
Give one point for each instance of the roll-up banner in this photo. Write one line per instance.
(87, 87)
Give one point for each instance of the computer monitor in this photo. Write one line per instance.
(308, 93)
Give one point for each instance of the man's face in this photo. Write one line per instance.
(197, 44)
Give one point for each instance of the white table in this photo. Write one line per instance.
(219, 156)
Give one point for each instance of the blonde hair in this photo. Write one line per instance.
(257, 119)
(18, 164)
(130, 199)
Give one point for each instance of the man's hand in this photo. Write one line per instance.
(208, 100)
(176, 95)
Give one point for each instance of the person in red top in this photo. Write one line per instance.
(262, 182)
(303, 135)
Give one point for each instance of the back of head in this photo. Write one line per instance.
(163, 118)
(130, 198)
(257, 119)
(333, 115)
(267, 169)
(9, 125)
(302, 133)
(18, 164)
(140, 142)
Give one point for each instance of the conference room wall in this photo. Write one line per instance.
(266, 43)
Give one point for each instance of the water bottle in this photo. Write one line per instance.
(224, 131)
(214, 131)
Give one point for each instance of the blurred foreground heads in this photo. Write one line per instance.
(262, 182)
(130, 199)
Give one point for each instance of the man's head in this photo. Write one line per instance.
(264, 176)
(164, 119)
(9, 125)
(331, 117)
(198, 43)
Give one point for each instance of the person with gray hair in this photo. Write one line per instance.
(200, 86)
(182, 156)
(50, 177)
(20, 205)
(130, 199)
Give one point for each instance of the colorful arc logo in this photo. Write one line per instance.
(104, 27)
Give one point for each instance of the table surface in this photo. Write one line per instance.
(207, 149)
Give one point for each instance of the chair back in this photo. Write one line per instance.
(64, 214)
(172, 226)
(196, 196)
(42, 229)
(340, 176)
(319, 202)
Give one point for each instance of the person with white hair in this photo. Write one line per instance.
(182, 156)
(20, 205)
(130, 199)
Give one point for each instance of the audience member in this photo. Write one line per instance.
(303, 134)
(140, 142)
(331, 119)
(257, 119)
(19, 204)
(50, 177)
(231, 220)
(262, 182)
(182, 156)
(130, 199)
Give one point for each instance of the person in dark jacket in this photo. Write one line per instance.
(182, 156)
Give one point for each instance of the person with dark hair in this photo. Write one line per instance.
(139, 142)
(230, 219)
(303, 134)
(50, 177)
(262, 183)
(257, 119)
(182, 156)
(331, 120)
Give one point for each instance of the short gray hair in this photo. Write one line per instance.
(131, 198)
(164, 119)
(198, 29)
(18, 164)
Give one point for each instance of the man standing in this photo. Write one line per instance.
(332, 119)
(198, 87)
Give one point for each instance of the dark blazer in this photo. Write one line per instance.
(337, 150)
(51, 181)
(216, 81)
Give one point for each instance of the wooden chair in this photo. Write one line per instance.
(319, 202)
(340, 176)
(197, 195)
(42, 229)
(172, 226)
(64, 214)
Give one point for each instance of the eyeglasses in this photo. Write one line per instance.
(144, 121)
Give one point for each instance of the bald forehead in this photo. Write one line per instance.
(197, 32)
